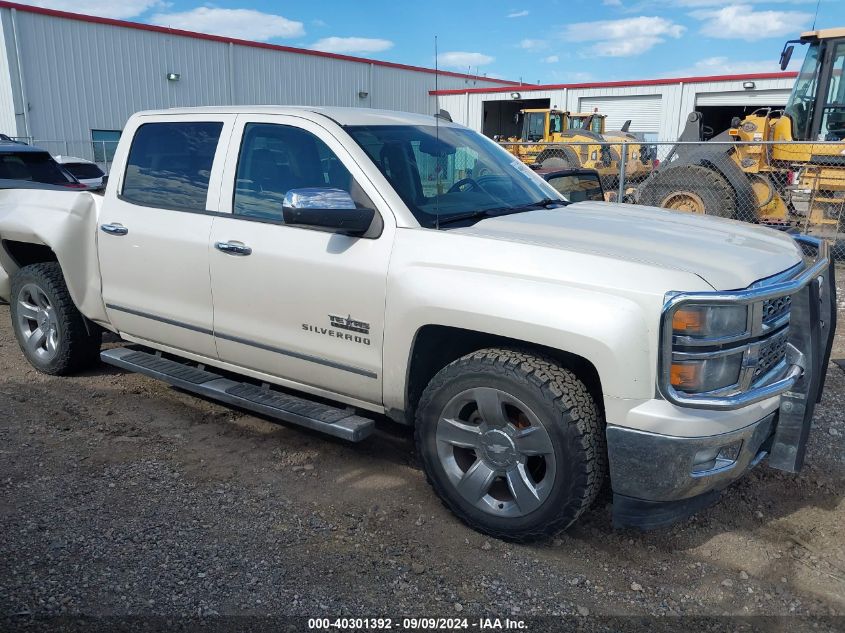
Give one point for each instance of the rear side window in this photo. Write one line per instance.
(169, 165)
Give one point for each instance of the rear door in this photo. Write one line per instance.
(154, 231)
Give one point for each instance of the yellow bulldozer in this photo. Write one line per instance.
(755, 170)
(567, 140)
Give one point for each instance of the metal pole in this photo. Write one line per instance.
(623, 159)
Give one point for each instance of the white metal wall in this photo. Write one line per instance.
(644, 111)
(744, 98)
(79, 76)
(677, 100)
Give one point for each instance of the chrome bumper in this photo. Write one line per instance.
(666, 468)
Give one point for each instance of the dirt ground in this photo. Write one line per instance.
(120, 495)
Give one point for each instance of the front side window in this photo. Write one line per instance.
(33, 166)
(534, 127)
(169, 165)
(443, 172)
(833, 117)
(277, 158)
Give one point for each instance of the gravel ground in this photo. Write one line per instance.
(121, 496)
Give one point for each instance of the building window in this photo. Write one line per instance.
(104, 143)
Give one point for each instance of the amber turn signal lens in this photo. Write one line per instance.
(688, 321)
(685, 375)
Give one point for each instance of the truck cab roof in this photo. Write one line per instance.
(341, 116)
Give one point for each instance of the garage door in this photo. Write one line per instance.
(643, 110)
(743, 98)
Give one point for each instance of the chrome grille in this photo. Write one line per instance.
(774, 309)
(772, 351)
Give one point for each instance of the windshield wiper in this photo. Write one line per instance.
(499, 211)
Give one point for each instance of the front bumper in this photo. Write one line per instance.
(659, 478)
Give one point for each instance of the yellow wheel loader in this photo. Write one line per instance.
(755, 171)
(566, 140)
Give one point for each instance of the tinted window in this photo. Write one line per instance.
(84, 170)
(170, 163)
(35, 166)
(277, 158)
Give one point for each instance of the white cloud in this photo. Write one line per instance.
(464, 60)
(319, 23)
(551, 59)
(246, 24)
(742, 22)
(121, 10)
(518, 14)
(623, 38)
(612, 3)
(352, 45)
(725, 66)
(532, 45)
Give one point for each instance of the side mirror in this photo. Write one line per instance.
(326, 209)
(785, 56)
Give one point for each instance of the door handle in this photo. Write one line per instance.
(233, 248)
(114, 229)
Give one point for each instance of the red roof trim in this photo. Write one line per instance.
(619, 84)
(226, 40)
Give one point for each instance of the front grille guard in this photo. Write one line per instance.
(812, 323)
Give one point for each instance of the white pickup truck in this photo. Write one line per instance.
(328, 266)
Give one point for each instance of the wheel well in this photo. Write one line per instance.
(25, 254)
(435, 346)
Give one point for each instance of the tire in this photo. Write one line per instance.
(691, 188)
(40, 301)
(558, 158)
(531, 403)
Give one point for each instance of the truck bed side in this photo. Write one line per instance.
(65, 222)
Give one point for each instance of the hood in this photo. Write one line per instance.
(727, 254)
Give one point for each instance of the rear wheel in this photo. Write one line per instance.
(690, 188)
(51, 332)
(558, 158)
(512, 443)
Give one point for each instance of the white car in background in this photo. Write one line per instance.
(86, 172)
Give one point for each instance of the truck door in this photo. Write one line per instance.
(301, 306)
(154, 228)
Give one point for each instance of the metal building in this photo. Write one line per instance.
(67, 79)
(658, 108)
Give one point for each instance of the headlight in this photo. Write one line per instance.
(708, 374)
(702, 321)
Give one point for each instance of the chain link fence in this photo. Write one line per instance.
(795, 186)
(99, 152)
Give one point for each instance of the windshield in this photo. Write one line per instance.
(461, 172)
(84, 170)
(802, 100)
(35, 166)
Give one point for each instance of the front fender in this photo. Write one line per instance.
(612, 332)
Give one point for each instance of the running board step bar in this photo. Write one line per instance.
(342, 423)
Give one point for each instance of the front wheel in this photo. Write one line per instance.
(512, 443)
(51, 332)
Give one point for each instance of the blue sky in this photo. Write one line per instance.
(553, 41)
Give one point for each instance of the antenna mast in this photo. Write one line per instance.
(437, 136)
